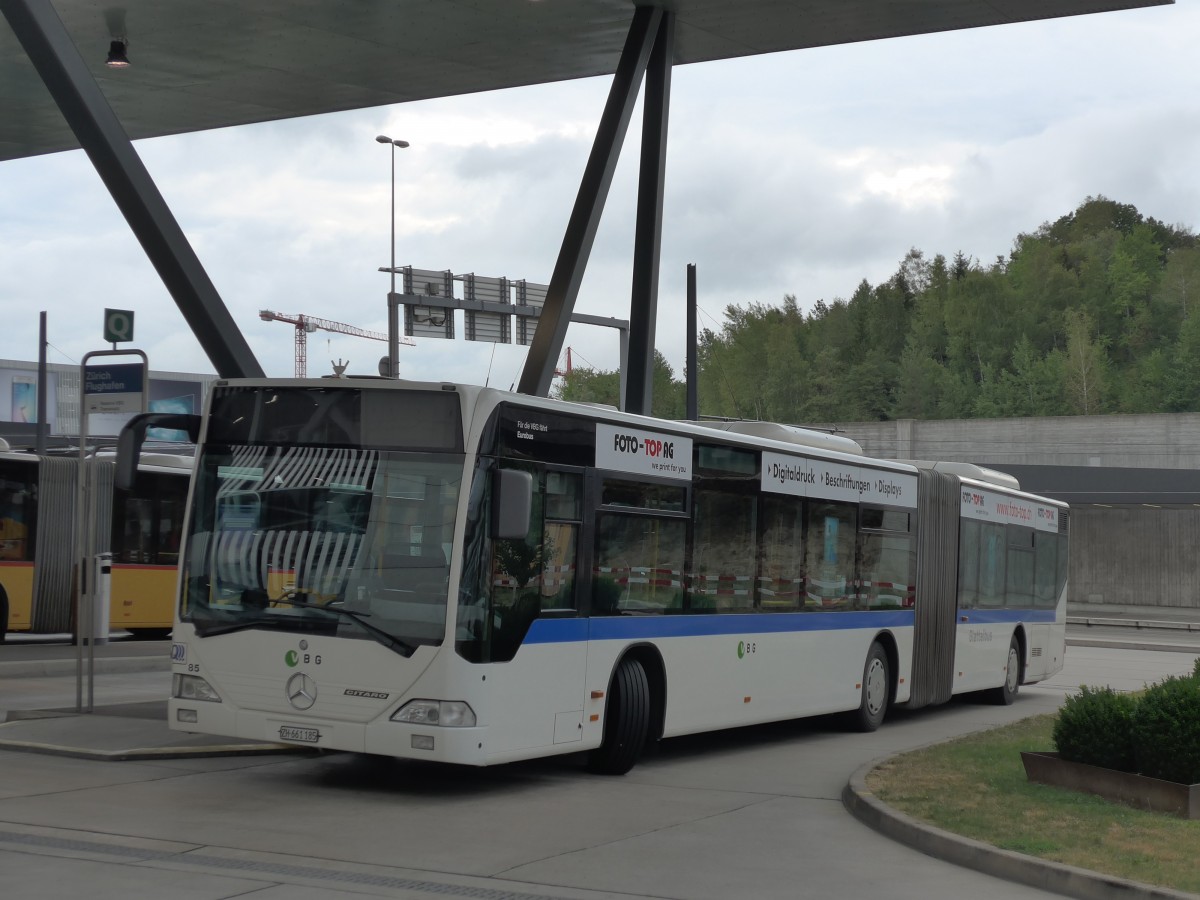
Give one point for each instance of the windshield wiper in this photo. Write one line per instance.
(203, 630)
(267, 619)
(386, 638)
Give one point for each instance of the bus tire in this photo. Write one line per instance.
(3, 614)
(1007, 692)
(626, 721)
(876, 690)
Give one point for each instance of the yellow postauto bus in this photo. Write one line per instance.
(38, 524)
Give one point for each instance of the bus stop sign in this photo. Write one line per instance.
(114, 388)
(118, 325)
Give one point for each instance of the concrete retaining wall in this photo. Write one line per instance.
(1137, 556)
(1158, 441)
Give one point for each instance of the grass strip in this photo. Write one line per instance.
(976, 787)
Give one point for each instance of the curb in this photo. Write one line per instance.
(150, 753)
(1070, 881)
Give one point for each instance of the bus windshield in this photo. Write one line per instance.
(352, 541)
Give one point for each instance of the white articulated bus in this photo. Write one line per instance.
(466, 575)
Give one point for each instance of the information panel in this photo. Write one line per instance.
(829, 480)
(114, 388)
(627, 449)
(993, 507)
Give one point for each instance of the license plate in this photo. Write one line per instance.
(292, 733)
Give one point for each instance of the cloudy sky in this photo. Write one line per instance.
(797, 173)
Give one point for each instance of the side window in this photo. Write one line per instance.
(639, 564)
(886, 560)
(172, 500)
(830, 556)
(18, 503)
(1063, 543)
(781, 578)
(560, 543)
(147, 525)
(968, 563)
(1020, 564)
(136, 518)
(722, 576)
(992, 547)
(641, 539)
(1045, 574)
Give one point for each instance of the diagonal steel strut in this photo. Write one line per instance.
(57, 60)
(647, 242)
(589, 204)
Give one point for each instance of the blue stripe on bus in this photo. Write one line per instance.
(997, 616)
(599, 628)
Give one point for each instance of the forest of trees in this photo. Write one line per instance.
(1090, 314)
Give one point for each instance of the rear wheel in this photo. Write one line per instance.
(1007, 692)
(876, 690)
(3, 614)
(626, 721)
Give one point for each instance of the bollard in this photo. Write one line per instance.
(101, 596)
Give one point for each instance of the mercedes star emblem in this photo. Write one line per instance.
(301, 691)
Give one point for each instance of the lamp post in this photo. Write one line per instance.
(393, 298)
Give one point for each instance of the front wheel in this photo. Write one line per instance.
(876, 690)
(1007, 692)
(626, 721)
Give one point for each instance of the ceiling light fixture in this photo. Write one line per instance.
(118, 55)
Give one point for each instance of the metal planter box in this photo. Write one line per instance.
(1139, 791)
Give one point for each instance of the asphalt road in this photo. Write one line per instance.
(749, 813)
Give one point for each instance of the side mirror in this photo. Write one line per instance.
(512, 503)
(133, 435)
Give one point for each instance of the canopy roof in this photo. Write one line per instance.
(200, 64)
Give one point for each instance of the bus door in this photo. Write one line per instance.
(535, 624)
(536, 579)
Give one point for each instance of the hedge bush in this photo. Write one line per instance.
(1094, 727)
(1166, 730)
(1156, 733)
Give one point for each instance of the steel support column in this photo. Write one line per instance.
(57, 60)
(589, 204)
(647, 242)
(692, 406)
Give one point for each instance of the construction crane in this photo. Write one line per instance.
(306, 325)
(562, 373)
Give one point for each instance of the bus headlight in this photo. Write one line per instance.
(192, 687)
(446, 713)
